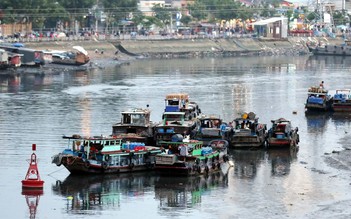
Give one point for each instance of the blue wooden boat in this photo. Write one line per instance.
(318, 99)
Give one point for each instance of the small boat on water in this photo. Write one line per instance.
(248, 133)
(318, 99)
(342, 100)
(78, 56)
(211, 127)
(173, 123)
(179, 117)
(327, 49)
(179, 102)
(29, 57)
(282, 134)
(105, 155)
(135, 125)
(189, 157)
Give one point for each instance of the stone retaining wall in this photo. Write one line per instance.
(187, 47)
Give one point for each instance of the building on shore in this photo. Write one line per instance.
(275, 27)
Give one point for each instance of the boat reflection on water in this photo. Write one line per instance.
(187, 192)
(317, 121)
(341, 118)
(10, 83)
(281, 160)
(246, 162)
(101, 192)
(323, 60)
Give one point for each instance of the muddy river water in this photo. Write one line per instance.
(313, 182)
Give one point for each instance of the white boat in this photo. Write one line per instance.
(78, 56)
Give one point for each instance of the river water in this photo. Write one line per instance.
(41, 108)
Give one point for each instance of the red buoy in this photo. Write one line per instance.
(32, 179)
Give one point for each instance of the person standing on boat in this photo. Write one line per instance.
(321, 85)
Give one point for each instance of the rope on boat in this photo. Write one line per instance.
(56, 171)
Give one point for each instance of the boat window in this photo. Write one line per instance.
(173, 117)
(138, 119)
(126, 118)
(173, 102)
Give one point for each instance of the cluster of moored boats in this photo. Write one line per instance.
(16, 55)
(185, 142)
(319, 99)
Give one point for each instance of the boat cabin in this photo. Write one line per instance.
(176, 102)
(93, 147)
(342, 94)
(281, 126)
(173, 118)
(136, 117)
(133, 121)
(210, 122)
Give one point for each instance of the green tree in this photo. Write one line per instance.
(185, 20)
(117, 10)
(163, 14)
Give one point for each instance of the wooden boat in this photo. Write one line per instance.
(281, 134)
(318, 99)
(248, 133)
(135, 125)
(211, 127)
(189, 158)
(173, 123)
(79, 56)
(342, 100)
(29, 57)
(100, 155)
(179, 102)
(335, 50)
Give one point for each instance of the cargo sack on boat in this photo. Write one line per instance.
(206, 150)
(177, 138)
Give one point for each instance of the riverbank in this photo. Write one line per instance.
(172, 48)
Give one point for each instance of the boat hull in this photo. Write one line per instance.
(247, 142)
(317, 107)
(334, 50)
(124, 162)
(188, 167)
(342, 107)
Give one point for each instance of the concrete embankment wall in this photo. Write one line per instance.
(185, 47)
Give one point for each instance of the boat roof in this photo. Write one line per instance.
(80, 49)
(92, 138)
(136, 111)
(174, 113)
(204, 117)
(343, 90)
(281, 120)
(177, 96)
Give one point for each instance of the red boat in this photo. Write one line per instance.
(282, 134)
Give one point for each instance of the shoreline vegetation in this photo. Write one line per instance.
(123, 50)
